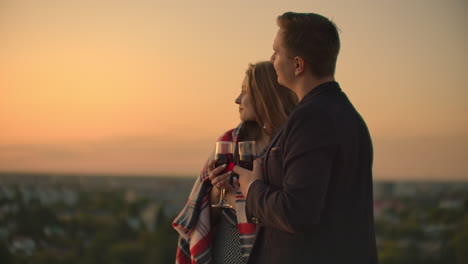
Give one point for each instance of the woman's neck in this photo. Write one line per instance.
(262, 141)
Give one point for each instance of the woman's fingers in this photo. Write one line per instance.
(232, 188)
(221, 178)
(214, 173)
(221, 181)
(211, 165)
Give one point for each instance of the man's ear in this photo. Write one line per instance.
(299, 65)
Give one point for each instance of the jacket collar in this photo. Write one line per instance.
(324, 87)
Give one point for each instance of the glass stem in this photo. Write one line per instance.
(221, 197)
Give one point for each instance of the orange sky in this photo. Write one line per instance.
(145, 87)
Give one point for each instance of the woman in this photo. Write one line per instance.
(214, 235)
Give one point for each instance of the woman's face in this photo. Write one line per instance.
(246, 111)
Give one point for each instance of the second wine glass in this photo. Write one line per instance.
(247, 154)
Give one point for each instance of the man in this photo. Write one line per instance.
(311, 195)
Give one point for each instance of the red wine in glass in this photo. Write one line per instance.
(224, 158)
(246, 161)
(247, 154)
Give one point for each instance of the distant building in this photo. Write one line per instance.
(383, 190)
(134, 223)
(23, 244)
(451, 204)
(130, 196)
(404, 189)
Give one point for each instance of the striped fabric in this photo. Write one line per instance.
(193, 222)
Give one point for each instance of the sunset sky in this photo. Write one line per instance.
(145, 87)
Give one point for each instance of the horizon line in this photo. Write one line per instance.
(181, 176)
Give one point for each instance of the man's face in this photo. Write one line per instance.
(284, 66)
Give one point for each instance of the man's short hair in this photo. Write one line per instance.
(312, 37)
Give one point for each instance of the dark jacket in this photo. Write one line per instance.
(315, 204)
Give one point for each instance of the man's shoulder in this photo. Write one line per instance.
(310, 108)
(323, 110)
(308, 117)
(331, 102)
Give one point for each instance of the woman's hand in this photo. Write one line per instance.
(217, 180)
(220, 181)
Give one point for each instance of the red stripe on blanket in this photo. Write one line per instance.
(246, 228)
(175, 225)
(181, 258)
(201, 246)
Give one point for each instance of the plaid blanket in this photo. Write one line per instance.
(193, 222)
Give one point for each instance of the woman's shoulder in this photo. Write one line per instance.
(230, 134)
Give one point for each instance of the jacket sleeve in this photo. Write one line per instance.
(306, 165)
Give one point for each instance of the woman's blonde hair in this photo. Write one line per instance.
(271, 101)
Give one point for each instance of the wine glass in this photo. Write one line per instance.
(247, 154)
(224, 155)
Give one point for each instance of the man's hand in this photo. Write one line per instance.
(246, 177)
